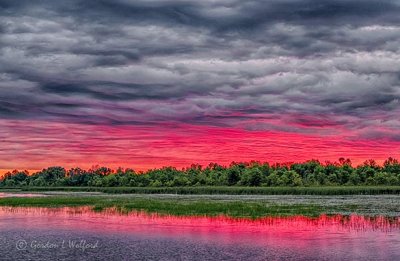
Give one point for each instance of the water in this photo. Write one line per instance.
(82, 234)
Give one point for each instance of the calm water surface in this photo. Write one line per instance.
(82, 234)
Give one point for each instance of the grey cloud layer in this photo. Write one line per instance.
(210, 62)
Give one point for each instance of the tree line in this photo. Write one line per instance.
(310, 173)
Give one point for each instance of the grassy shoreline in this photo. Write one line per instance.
(214, 205)
(177, 207)
(212, 201)
(233, 190)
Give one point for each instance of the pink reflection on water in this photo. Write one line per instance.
(350, 236)
(111, 219)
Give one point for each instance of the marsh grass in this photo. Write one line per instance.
(233, 190)
(176, 207)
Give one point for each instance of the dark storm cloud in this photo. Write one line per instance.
(234, 14)
(223, 63)
(109, 91)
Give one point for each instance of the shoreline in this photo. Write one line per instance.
(214, 205)
(223, 190)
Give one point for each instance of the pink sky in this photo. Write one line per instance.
(34, 145)
(146, 84)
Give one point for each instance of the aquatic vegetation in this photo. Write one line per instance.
(252, 208)
(232, 190)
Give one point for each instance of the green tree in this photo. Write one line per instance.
(291, 178)
(233, 176)
(251, 177)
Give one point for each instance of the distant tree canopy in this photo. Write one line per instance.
(310, 173)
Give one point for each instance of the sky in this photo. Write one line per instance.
(145, 84)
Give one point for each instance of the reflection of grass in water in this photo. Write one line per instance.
(182, 207)
(234, 209)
